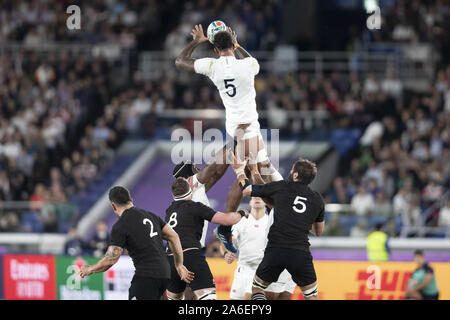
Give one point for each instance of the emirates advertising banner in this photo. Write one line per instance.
(117, 279)
(1, 277)
(29, 277)
(69, 284)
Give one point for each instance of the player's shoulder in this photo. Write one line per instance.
(317, 196)
(250, 61)
(279, 183)
(205, 62)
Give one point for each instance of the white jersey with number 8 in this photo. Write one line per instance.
(235, 80)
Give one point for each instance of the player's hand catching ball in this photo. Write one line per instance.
(229, 257)
(85, 271)
(233, 35)
(198, 34)
(185, 275)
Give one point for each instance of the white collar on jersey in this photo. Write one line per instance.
(232, 57)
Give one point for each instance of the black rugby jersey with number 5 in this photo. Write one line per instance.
(139, 232)
(187, 217)
(296, 208)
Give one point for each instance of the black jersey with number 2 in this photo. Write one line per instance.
(139, 232)
(187, 218)
(296, 208)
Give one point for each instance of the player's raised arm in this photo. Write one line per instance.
(175, 246)
(184, 60)
(111, 257)
(242, 53)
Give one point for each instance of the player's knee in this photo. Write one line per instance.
(259, 284)
(310, 293)
(174, 296)
(208, 295)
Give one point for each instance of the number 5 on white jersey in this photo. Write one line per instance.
(299, 201)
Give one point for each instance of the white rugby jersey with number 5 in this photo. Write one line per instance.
(235, 80)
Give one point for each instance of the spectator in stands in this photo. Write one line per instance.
(9, 222)
(412, 216)
(48, 218)
(444, 214)
(74, 245)
(334, 228)
(401, 199)
(359, 230)
(383, 206)
(362, 202)
(99, 243)
(65, 211)
(391, 86)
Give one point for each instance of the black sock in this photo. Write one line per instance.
(258, 296)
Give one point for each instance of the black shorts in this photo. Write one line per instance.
(194, 261)
(146, 288)
(297, 262)
(430, 296)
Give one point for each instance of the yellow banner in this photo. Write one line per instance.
(348, 280)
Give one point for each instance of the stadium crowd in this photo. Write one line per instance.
(61, 118)
(46, 102)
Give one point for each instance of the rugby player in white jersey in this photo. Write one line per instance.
(250, 238)
(234, 78)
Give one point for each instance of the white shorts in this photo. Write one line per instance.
(251, 131)
(242, 283)
(243, 280)
(284, 283)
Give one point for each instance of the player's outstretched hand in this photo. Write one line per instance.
(229, 257)
(185, 275)
(198, 34)
(233, 35)
(85, 271)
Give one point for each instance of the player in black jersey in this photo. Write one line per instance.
(298, 211)
(141, 233)
(186, 217)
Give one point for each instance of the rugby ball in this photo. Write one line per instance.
(213, 28)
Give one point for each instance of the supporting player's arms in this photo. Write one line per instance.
(214, 170)
(239, 168)
(256, 177)
(184, 60)
(111, 257)
(230, 218)
(175, 246)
